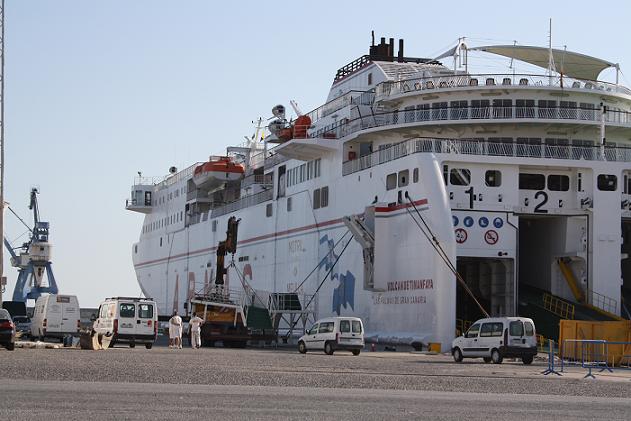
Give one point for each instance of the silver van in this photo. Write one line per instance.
(497, 338)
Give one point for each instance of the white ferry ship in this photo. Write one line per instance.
(413, 170)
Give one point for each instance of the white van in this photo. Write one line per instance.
(497, 338)
(332, 334)
(128, 320)
(55, 316)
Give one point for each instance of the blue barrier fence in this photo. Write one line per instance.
(592, 354)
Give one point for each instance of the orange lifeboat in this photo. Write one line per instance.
(216, 172)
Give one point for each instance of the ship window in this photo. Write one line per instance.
(587, 111)
(204, 216)
(567, 109)
(317, 168)
(607, 182)
(502, 108)
(316, 199)
(528, 146)
(459, 177)
(445, 173)
(309, 170)
(439, 111)
(324, 197)
(532, 181)
(160, 241)
(409, 114)
(289, 204)
(303, 171)
(557, 182)
(459, 110)
(268, 210)
(136, 248)
(480, 108)
(493, 178)
(415, 175)
(547, 108)
(404, 178)
(422, 112)
(214, 226)
(524, 108)
(370, 78)
(391, 181)
(557, 148)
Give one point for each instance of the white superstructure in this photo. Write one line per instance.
(508, 174)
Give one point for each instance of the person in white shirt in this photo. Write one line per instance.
(195, 325)
(175, 330)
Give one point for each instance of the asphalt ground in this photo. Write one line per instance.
(281, 383)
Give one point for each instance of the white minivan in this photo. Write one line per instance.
(332, 334)
(497, 338)
(55, 316)
(128, 320)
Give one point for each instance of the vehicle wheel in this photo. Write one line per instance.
(487, 359)
(148, 346)
(496, 357)
(527, 360)
(132, 345)
(356, 352)
(302, 348)
(10, 346)
(457, 354)
(328, 348)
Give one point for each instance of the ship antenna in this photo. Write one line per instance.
(550, 56)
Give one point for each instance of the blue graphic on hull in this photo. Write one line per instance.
(344, 293)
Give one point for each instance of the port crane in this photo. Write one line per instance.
(33, 259)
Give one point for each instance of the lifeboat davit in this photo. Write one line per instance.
(216, 172)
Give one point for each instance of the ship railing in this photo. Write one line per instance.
(491, 80)
(244, 202)
(439, 112)
(351, 97)
(488, 147)
(146, 181)
(262, 179)
(185, 174)
(607, 304)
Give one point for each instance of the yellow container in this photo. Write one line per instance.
(615, 331)
(434, 347)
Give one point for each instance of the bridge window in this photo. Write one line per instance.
(532, 181)
(459, 177)
(607, 182)
(404, 178)
(557, 182)
(391, 181)
(415, 175)
(493, 178)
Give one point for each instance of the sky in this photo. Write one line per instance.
(97, 91)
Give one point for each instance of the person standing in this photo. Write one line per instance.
(195, 325)
(175, 330)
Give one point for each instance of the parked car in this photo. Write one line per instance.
(56, 316)
(7, 330)
(333, 334)
(128, 320)
(22, 325)
(497, 338)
